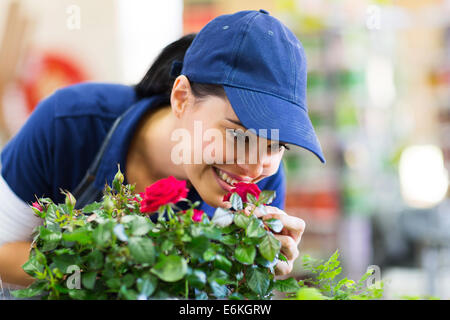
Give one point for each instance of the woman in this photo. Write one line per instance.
(241, 71)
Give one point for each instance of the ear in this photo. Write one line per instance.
(181, 96)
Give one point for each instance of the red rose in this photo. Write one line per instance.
(164, 191)
(197, 216)
(242, 189)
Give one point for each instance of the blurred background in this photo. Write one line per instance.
(378, 96)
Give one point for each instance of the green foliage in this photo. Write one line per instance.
(110, 250)
(324, 283)
(119, 253)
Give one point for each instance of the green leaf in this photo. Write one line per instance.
(141, 226)
(282, 257)
(221, 262)
(200, 295)
(236, 295)
(51, 217)
(78, 294)
(251, 198)
(245, 254)
(269, 247)
(236, 201)
(170, 268)
(241, 220)
(36, 288)
(40, 257)
(167, 245)
(90, 208)
(197, 279)
(230, 240)
(62, 262)
(26, 293)
(88, 279)
(197, 247)
(222, 217)
(209, 254)
(102, 234)
(264, 262)
(219, 276)
(64, 251)
(113, 283)
(266, 196)
(127, 280)
(258, 281)
(232, 228)
(32, 266)
(95, 259)
(310, 294)
(212, 232)
(250, 241)
(219, 291)
(255, 229)
(287, 285)
(274, 224)
(147, 285)
(142, 250)
(80, 235)
(49, 236)
(128, 294)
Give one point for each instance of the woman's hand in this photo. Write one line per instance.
(289, 236)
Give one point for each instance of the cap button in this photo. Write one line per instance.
(263, 11)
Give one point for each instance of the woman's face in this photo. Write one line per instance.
(216, 161)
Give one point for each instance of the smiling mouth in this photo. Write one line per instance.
(224, 177)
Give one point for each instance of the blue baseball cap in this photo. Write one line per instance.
(262, 67)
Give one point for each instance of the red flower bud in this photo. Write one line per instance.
(37, 206)
(242, 189)
(197, 216)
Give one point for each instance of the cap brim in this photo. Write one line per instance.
(257, 110)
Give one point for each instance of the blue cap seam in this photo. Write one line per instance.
(269, 93)
(236, 57)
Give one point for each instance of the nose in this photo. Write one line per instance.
(254, 169)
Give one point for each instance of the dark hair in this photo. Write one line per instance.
(158, 79)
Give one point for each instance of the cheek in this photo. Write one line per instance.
(214, 147)
(272, 165)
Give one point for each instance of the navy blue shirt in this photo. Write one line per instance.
(59, 141)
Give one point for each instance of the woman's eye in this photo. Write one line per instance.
(240, 135)
(281, 146)
(237, 134)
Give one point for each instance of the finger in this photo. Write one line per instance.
(251, 209)
(288, 246)
(226, 205)
(282, 268)
(292, 226)
(274, 210)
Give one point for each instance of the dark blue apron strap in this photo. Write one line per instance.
(86, 192)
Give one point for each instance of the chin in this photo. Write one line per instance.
(208, 188)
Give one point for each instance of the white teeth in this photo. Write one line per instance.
(225, 177)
